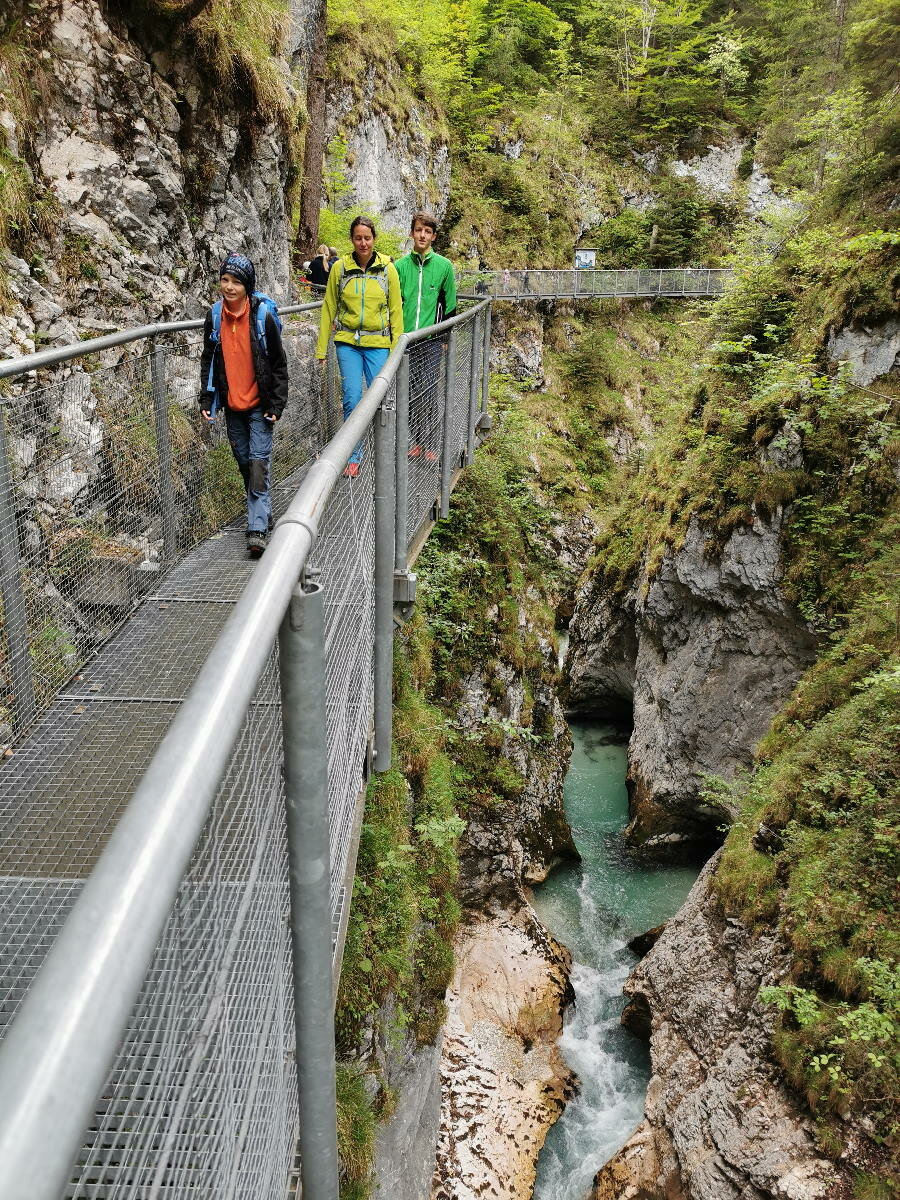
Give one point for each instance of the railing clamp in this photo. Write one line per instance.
(307, 523)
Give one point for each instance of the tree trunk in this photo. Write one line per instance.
(314, 148)
(839, 18)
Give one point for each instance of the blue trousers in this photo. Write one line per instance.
(250, 435)
(357, 362)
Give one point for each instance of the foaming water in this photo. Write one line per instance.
(595, 907)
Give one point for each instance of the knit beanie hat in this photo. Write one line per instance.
(241, 268)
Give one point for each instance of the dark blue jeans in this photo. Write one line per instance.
(250, 435)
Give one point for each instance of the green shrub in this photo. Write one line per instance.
(243, 45)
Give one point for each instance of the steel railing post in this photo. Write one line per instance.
(301, 642)
(164, 453)
(331, 373)
(486, 369)
(446, 452)
(385, 497)
(15, 620)
(401, 537)
(475, 362)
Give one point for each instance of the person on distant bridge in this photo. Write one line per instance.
(428, 285)
(244, 369)
(363, 306)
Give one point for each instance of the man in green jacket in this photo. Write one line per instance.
(428, 288)
(427, 280)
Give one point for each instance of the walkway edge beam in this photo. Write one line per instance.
(64, 1039)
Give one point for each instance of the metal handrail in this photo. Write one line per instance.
(59, 354)
(62, 1044)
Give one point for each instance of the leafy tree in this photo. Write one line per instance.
(523, 44)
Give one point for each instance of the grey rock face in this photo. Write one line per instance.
(517, 346)
(718, 1124)
(500, 851)
(870, 352)
(715, 171)
(123, 146)
(707, 651)
(407, 1143)
(504, 1081)
(762, 197)
(602, 654)
(392, 169)
(503, 849)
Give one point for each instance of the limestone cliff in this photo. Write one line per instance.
(389, 144)
(704, 651)
(480, 1104)
(149, 170)
(503, 1078)
(503, 1081)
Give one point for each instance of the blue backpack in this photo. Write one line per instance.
(265, 306)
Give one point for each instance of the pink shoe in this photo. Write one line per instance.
(351, 470)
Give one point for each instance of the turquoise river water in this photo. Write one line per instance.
(595, 907)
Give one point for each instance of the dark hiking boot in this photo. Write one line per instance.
(256, 544)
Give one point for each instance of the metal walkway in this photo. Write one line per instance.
(682, 283)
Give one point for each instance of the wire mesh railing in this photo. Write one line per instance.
(143, 855)
(107, 479)
(676, 282)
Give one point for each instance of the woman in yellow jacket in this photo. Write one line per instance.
(364, 307)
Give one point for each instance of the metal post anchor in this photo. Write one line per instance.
(301, 642)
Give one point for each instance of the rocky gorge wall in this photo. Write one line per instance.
(394, 161)
(472, 1111)
(719, 1122)
(149, 172)
(696, 640)
(701, 656)
(475, 1111)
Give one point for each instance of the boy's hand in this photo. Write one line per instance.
(206, 415)
(270, 417)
